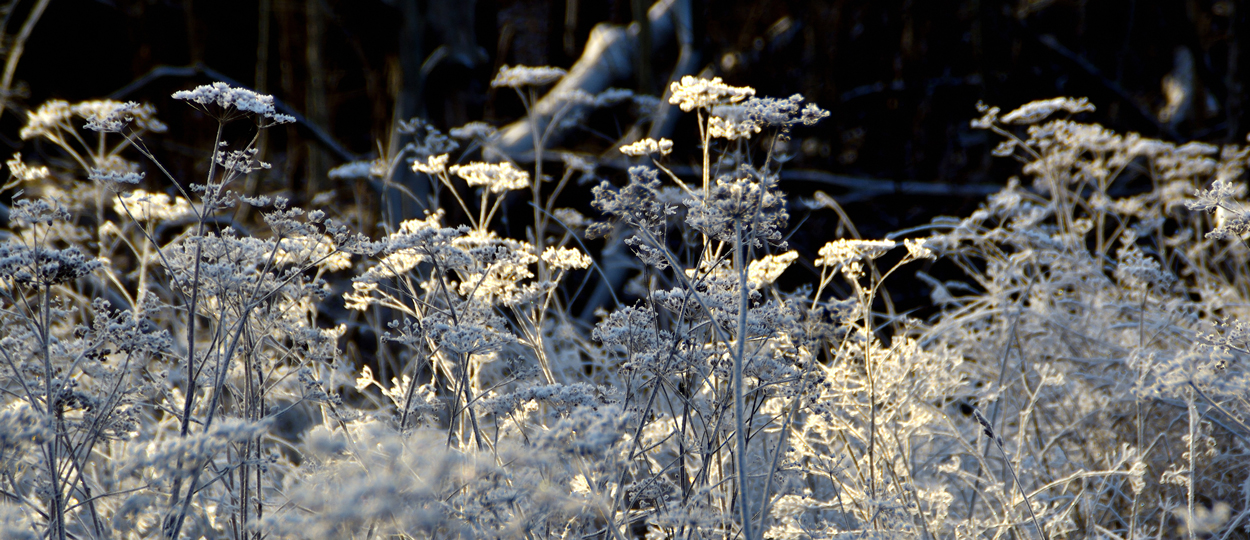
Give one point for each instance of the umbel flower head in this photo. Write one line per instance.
(497, 177)
(233, 100)
(43, 267)
(749, 198)
(101, 115)
(648, 146)
(693, 93)
(1036, 111)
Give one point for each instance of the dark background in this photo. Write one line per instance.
(900, 77)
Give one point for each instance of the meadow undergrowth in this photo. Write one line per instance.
(173, 366)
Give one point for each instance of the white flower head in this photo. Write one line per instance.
(843, 251)
(519, 76)
(497, 177)
(433, 164)
(648, 146)
(768, 269)
(1036, 111)
(24, 172)
(566, 258)
(107, 115)
(112, 177)
(319, 251)
(241, 161)
(237, 99)
(916, 249)
(723, 128)
(696, 93)
(47, 119)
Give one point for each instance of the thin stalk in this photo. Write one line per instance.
(192, 307)
(738, 390)
(56, 513)
(997, 441)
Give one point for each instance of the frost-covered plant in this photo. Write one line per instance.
(177, 373)
(153, 390)
(1094, 332)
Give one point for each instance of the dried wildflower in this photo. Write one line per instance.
(783, 113)
(241, 161)
(501, 277)
(637, 204)
(768, 269)
(750, 200)
(433, 164)
(113, 177)
(648, 146)
(111, 116)
(23, 172)
(27, 212)
(1230, 224)
(916, 249)
(520, 76)
(563, 397)
(1220, 193)
(842, 251)
(1140, 146)
(495, 177)
(42, 267)
(306, 250)
(1036, 111)
(721, 128)
(47, 120)
(696, 93)
(575, 97)
(232, 100)
(565, 258)
(613, 96)
(54, 117)
(989, 116)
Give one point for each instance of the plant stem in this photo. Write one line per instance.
(739, 392)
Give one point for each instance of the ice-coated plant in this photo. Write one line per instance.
(171, 368)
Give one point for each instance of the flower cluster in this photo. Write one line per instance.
(24, 172)
(231, 100)
(565, 258)
(696, 93)
(495, 177)
(842, 252)
(745, 207)
(43, 267)
(1036, 111)
(648, 146)
(53, 117)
